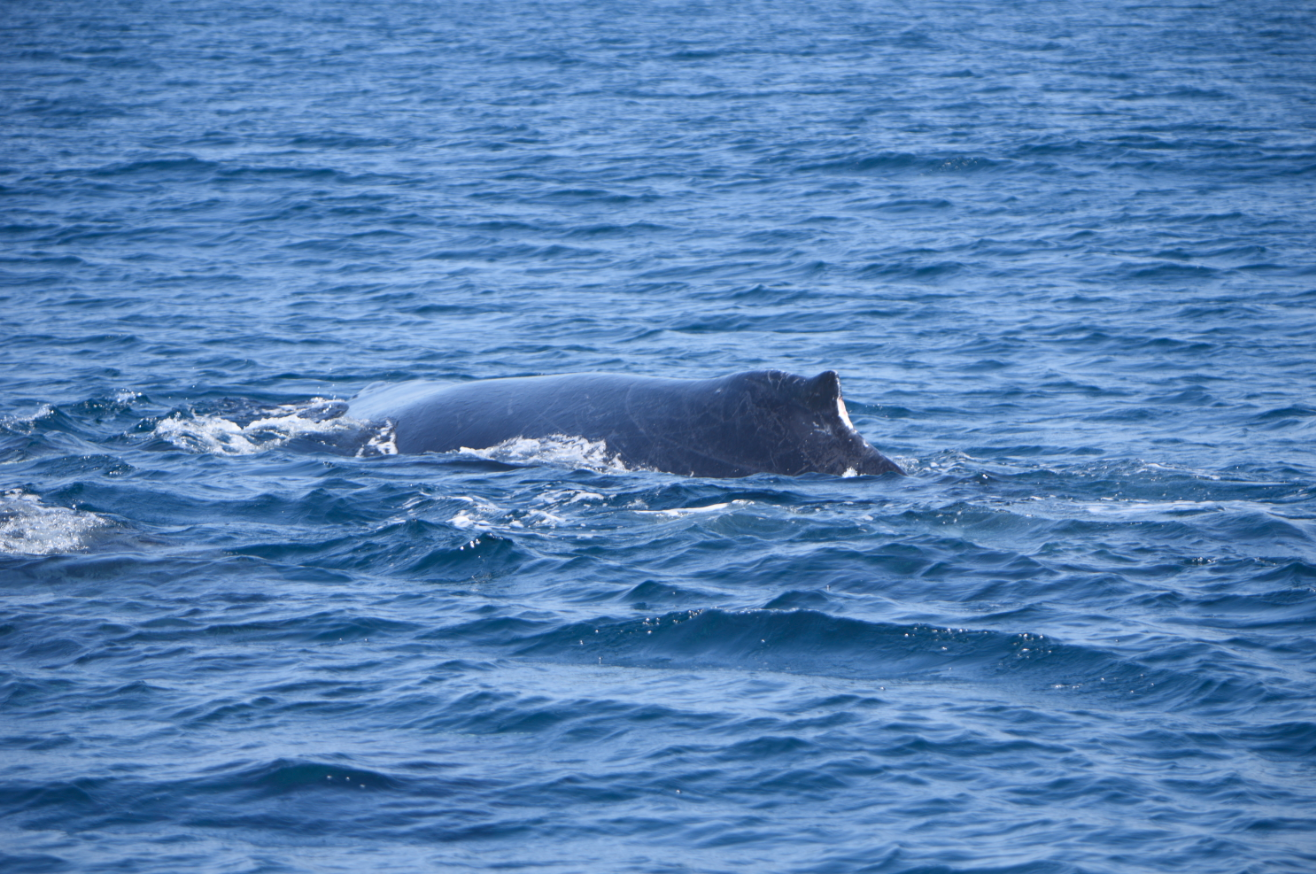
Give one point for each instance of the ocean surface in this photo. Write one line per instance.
(1063, 256)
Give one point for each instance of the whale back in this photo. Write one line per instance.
(746, 423)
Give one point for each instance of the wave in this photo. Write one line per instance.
(901, 162)
(806, 641)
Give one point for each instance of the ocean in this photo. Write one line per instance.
(1063, 257)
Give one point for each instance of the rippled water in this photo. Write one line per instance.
(1060, 254)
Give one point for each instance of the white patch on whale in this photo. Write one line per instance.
(843, 413)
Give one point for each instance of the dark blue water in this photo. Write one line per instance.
(1062, 255)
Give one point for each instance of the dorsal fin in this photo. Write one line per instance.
(823, 391)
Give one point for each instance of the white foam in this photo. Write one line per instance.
(562, 497)
(206, 435)
(1147, 508)
(1178, 509)
(478, 515)
(216, 435)
(29, 527)
(464, 519)
(1148, 466)
(678, 512)
(382, 442)
(558, 449)
(482, 515)
(537, 518)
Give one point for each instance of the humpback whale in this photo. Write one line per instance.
(758, 422)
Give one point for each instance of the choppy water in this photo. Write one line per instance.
(1061, 254)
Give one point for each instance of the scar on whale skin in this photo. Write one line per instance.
(762, 421)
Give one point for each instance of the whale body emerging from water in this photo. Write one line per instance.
(759, 422)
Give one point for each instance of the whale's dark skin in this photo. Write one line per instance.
(747, 423)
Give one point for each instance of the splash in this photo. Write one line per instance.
(558, 449)
(318, 421)
(29, 527)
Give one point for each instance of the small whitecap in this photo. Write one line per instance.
(465, 520)
(26, 420)
(539, 517)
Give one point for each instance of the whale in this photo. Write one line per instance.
(765, 421)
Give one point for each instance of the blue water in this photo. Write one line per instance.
(1062, 255)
